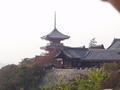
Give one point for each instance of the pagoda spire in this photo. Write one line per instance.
(55, 20)
(55, 37)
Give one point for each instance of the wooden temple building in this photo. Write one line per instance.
(61, 56)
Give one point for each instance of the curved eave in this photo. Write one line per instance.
(47, 37)
(55, 35)
(50, 47)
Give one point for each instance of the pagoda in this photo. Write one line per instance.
(55, 37)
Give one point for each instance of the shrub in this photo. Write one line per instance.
(91, 82)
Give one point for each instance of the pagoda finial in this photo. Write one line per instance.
(55, 20)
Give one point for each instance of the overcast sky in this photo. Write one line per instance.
(23, 22)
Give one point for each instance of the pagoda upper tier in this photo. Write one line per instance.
(55, 35)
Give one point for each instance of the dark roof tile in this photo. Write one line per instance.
(55, 34)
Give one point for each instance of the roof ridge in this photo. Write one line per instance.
(114, 41)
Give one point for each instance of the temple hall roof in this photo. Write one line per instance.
(102, 55)
(75, 52)
(90, 55)
(115, 45)
(97, 47)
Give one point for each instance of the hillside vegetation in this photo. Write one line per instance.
(13, 77)
(41, 77)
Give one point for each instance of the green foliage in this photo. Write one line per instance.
(91, 82)
(31, 77)
(8, 80)
(110, 67)
(14, 78)
(60, 85)
(92, 43)
(113, 71)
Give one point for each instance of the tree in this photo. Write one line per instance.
(13, 77)
(92, 43)
(91, 82)
(113, 71)
(31, 77)
(8, 79)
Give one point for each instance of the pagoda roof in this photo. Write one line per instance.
(53, 47)
(55, 35)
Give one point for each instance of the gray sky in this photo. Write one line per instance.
(23, 22)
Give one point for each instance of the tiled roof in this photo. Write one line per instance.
(102, 55)
(97, 47)
(75, 52)
(115, 44)
(55, 34)
(87, 54)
